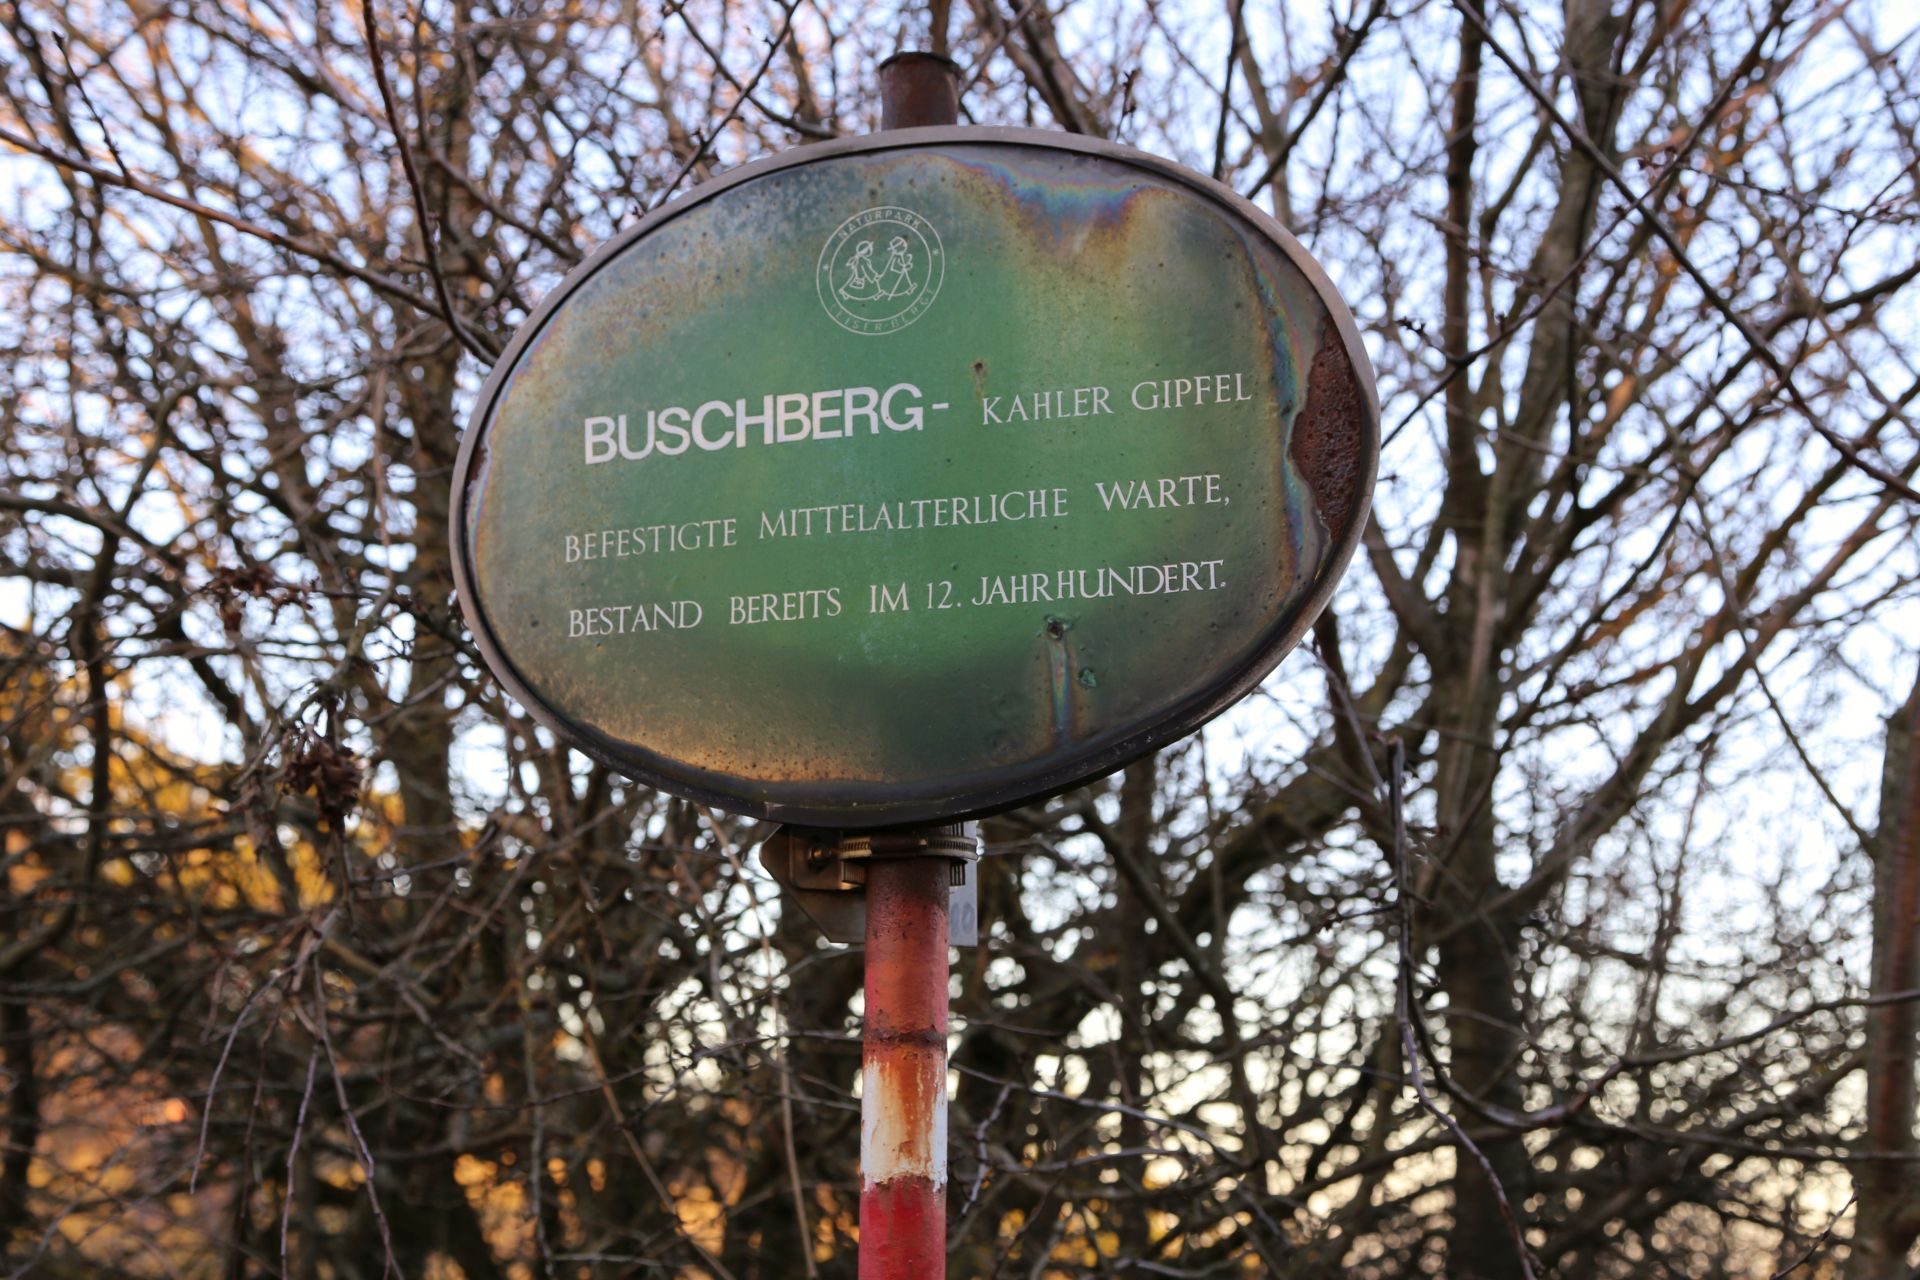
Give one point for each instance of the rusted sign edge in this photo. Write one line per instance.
(1337, 488)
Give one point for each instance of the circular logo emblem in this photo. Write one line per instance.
(880, 270)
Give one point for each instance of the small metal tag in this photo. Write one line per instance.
(963, 907)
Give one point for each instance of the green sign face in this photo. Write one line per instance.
(914, 476)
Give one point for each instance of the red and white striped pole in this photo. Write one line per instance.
(903, 1098)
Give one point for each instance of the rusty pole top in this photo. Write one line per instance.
(918, 89)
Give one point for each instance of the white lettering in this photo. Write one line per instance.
(598, 435)
(913, 417)
(825, 406)
(673, 421)
(700, 417)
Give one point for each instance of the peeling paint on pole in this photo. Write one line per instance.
(903, 1107)
(903, 1081)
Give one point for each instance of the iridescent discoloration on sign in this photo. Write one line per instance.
(912, 476)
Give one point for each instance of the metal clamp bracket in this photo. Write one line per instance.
(824, 872)
(956, 843)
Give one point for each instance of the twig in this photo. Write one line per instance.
(1655, 223)
(805, 128)
(219, 1067)
(388, 1266)
(986, 56)
(1821, 1239)
(80, 87)
(384, 283)
(480, 348)
(293, 1153)
(206, 1112)
(1236, 36)
(1345, 48)
(743, 97)
(639, 1155)
(1860, 833)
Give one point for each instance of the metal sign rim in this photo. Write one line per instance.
(989, 791)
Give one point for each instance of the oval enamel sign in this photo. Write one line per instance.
(914, 476)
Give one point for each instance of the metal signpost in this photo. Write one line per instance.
(902, 479)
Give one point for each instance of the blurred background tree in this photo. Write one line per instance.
(1557, 913)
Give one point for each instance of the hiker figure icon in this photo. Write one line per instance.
(863, 278)
(896, 276)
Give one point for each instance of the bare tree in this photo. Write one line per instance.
(1530, 924)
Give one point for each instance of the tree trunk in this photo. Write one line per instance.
(1887, 1220)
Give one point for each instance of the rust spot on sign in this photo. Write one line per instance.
(1324, 446)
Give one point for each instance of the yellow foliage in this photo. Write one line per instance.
(501, 1203)
(702, 1218)
(471, 1171)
